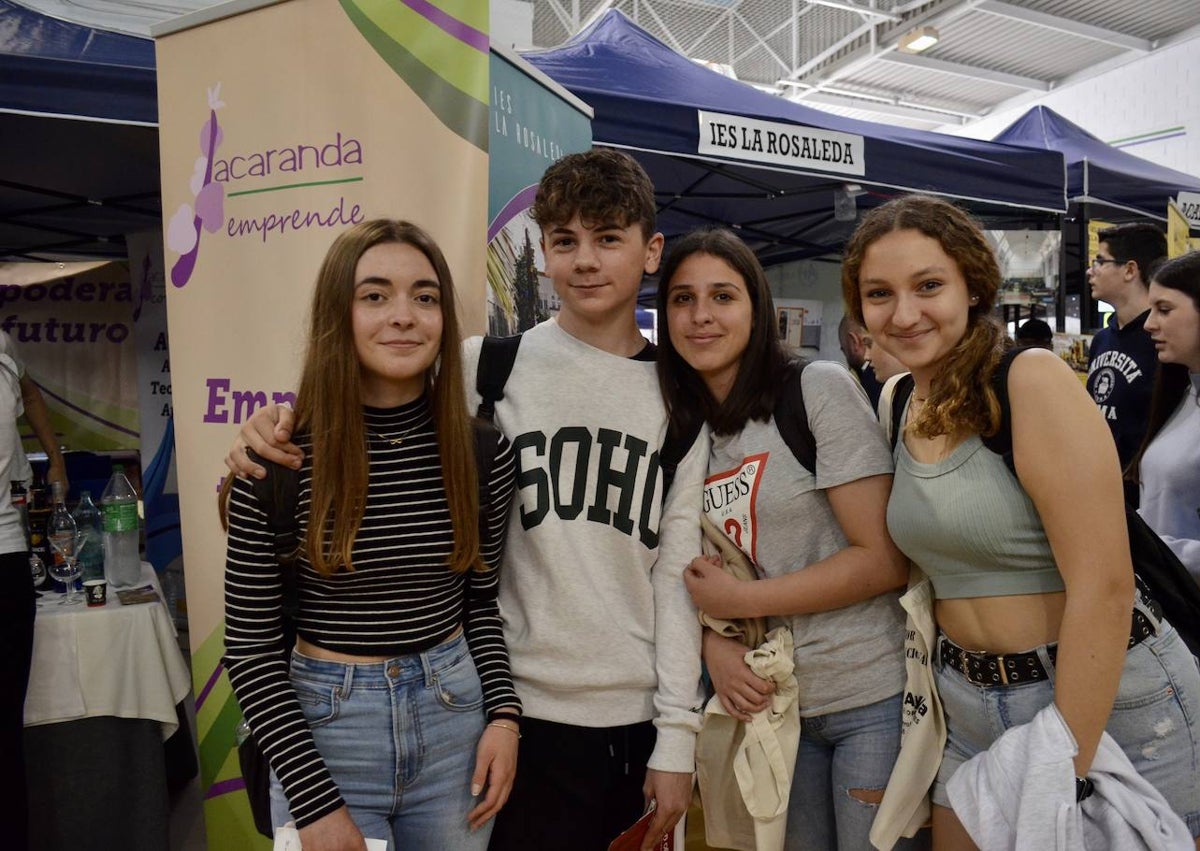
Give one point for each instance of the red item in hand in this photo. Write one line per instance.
(631, 840)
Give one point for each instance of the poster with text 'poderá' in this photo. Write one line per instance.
(279, 127)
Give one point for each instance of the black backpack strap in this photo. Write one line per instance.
(496, 358)
(1001, 442)
(791, 418)
(673, 450)
(279, 497)
(900, 393)
(487, 445)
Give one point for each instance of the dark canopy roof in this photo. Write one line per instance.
(52, 67)
(80, 152)
(1096, 171)
(648, 98)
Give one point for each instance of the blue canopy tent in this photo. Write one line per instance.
(655, 103)
(1098, 173)
(1102, 182)
(78, 107)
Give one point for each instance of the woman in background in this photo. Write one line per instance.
(1167, 466)
(819, 539)
(398, 708)
(1033, 586)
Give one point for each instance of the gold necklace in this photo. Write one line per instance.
(394, 441)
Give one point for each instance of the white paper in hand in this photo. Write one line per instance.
(287, 838)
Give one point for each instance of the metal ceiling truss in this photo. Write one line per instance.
(829, 52)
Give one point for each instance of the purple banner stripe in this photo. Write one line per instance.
(224, 787)
(87, 413)
(208, 686)
(519, 202)
(449, 24)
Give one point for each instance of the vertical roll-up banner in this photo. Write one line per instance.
(534, 122)
(280, 125)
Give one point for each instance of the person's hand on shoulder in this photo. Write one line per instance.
(269, 433)
(333, 832)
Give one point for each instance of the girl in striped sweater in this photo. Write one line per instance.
(396, 718)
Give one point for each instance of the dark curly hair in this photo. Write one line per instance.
(602, 185)
(961, 398)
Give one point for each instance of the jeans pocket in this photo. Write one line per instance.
(457, 686)
(1144, 682)
(318, 702)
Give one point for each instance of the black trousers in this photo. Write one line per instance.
(576, 788)
(17, 608)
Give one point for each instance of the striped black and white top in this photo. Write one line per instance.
(400, 598)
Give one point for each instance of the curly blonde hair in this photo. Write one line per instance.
(961, 399)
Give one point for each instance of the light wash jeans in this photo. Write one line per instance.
(839, 752)
(1155, 718)
(399, 739)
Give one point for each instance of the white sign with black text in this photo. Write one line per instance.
(1189, 204)
(776, 143)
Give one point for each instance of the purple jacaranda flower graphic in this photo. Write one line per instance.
(183, 229)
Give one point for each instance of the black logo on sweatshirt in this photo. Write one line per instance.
(577, 470)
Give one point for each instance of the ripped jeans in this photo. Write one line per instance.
(1155, 718)
(843, 757)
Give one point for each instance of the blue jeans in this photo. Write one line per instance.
(1155, 718)
(841, 753)
(399, 739)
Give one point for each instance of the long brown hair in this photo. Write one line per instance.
(1171, 380)
(961, 398)
(329, 406)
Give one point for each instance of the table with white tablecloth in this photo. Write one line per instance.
(105, 692)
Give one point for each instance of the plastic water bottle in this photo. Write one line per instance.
(118, 508)
(60, 530)
(91, 554)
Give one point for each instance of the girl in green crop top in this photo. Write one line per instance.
(919, 274)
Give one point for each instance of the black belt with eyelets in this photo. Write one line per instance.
(990, 669)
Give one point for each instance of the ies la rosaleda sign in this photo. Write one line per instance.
(775, 143)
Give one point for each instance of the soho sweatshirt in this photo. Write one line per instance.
(600, 629)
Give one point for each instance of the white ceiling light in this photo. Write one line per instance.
(915, 41)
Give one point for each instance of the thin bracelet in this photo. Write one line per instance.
(512, 730)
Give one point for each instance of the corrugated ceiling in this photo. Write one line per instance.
(990, 51)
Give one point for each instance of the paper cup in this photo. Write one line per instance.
(96, 591)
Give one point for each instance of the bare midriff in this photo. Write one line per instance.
(312, 651)
(1002, 624)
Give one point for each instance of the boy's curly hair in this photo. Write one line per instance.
(601, 185)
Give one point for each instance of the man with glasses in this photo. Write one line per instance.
(1122, 359)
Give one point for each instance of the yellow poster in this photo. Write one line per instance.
(1094, 228)
(1177, 231)
(280, 126)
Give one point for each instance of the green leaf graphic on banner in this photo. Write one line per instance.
(433, 48)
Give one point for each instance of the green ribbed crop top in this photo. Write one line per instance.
(967, 522)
